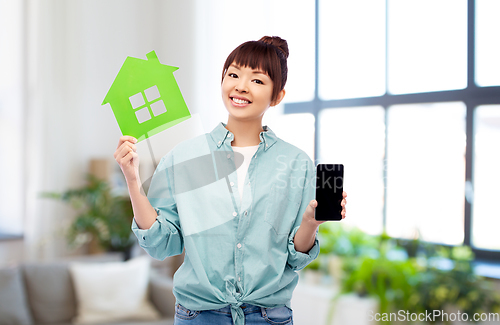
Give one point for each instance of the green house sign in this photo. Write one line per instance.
(145, 97)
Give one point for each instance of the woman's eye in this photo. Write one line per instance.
(233, 75)
(258, 81)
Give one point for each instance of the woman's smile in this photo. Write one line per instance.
(239, 101)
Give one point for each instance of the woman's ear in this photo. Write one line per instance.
(278, 100)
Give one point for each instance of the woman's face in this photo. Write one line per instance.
(246, 92)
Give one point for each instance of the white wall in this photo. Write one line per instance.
(74, 51)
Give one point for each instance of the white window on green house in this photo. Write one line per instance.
(147, 102)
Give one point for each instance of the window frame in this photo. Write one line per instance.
(472, 96)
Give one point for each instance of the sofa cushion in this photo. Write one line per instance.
(50, 292)
(115, 291)
(13, 304)
(50, 288)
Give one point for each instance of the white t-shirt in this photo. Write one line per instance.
(247, 153)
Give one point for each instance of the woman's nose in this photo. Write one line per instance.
(241, 87)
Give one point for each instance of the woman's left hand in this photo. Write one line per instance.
(308, 216)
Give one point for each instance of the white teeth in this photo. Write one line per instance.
(240, 101)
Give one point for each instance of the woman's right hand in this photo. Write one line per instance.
(127, 157)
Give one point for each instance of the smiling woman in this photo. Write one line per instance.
(261, 214)
(266, 57)
(253, 79)
(246, 93)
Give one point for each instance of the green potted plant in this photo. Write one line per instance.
(388, 279)
(407, 274)
(456, 287)
(102, 216)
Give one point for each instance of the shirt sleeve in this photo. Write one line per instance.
(164, 238)
(298, 260)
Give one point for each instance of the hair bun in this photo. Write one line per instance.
(278, 42)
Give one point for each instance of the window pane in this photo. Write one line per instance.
(426, 172)
(355, 137)
(486, 207)
(427, 45)
(487, 49)
(351, 48)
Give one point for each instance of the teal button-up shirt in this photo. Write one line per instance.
(237, 250)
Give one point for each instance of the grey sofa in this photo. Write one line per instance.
(43, 293)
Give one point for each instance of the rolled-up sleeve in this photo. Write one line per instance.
(164, 237)
(298, 260)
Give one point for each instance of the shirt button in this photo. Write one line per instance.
(228, 156)
(234, 214)
(232, 184)
(246, 212)
(239, 245)
(143, 237)
(239, 279)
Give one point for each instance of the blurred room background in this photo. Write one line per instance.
(404, 93)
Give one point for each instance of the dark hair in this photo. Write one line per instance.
(268, 54)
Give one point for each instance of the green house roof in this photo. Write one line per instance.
(136, 74)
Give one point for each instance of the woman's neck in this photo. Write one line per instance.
(246, 133)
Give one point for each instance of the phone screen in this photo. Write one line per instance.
(329, 188)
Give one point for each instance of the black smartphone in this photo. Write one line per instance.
(329, 188)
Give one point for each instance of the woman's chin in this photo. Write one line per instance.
(241, 117)
(238, 112)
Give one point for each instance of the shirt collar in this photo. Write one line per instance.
(220, 134)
